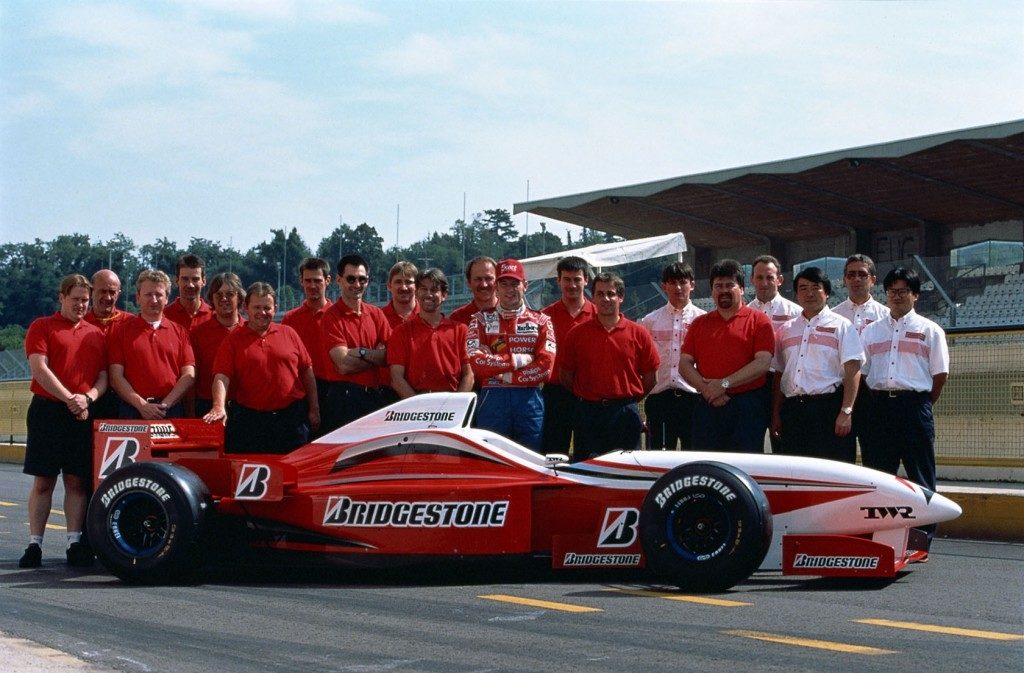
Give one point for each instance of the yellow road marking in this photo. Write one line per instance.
(533, 602)
(53, 526)
(4, 503)
(949, 630)
(704, 600)
(58, 512)
(808, 642)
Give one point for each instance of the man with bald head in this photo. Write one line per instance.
(106, 290)
(103, 313)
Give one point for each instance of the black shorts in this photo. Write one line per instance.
(57, 442)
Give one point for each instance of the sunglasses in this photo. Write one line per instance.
(352, 280)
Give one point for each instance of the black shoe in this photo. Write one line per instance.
(79, 556)
(32, 558)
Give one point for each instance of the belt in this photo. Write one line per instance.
(354, 387)
(621, 402)
(675, 392)
(897, 393)
(816, 396)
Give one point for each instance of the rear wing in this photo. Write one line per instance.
(195, 444)
(420, 412)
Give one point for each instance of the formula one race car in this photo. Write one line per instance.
(414, 482)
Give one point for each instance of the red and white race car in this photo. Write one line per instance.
(414, 482)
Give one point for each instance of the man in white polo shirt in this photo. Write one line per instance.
(906, 368)
(818, 357)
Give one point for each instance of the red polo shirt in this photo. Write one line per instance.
(433, 358)
(106, 324)
(75, 353)
(721, 347)
(394, 320)
(309, 325)
(264, 371)
(206, 340)
(607, 364)
(366, 329)
(564, 322)
(177, 312)
(152, 358)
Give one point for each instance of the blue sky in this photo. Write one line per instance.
(223, 119)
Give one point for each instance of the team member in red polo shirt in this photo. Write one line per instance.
(572, 309)
(269, 375)
(225, 295)
(152, 366)
(103, 313)
(428, 352)
(189, 310)
(307, 320)
(356, 335)
(67, 357)
(482, 276)
(726, 355)
(610, 363)
(401, 308)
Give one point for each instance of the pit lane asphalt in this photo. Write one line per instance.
(470, 618)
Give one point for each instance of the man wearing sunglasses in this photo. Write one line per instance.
(906, 368)
(355, 334)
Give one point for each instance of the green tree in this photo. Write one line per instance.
(12, 338)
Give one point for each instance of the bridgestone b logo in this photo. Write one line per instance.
(344, 511)
(419, 416)
(690, 482)
(118, 452)
(858, 562)
(252, 482)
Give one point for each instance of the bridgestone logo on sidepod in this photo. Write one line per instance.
(343, 511)
(688, 482)
(431, 416)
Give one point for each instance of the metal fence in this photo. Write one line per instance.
(980, 417)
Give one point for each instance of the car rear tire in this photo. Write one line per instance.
(146, 520)
(705, 526)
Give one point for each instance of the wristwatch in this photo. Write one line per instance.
(725, 384)
(362, 353)
(847, 410)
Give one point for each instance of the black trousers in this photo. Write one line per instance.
(252, 431)
(808, 428)
(346, 402)
(900, 428)
(559, 409)
(670, 418)
(605, 426)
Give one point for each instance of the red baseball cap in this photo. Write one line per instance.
(511, 268)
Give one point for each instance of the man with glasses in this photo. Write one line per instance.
(906, 368)
(818, 356)
(355, 335)
(861, 309)
(103, 313)
(726, 355)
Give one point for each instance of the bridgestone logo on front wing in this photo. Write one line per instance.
(574, 559)
(857, 562)
(344, 511)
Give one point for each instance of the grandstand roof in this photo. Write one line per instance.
(970, 176)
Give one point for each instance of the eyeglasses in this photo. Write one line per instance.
(900, 292)
(857, 274)
(225, 295)
(352, 280)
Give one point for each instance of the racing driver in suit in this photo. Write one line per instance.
(511, 350)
